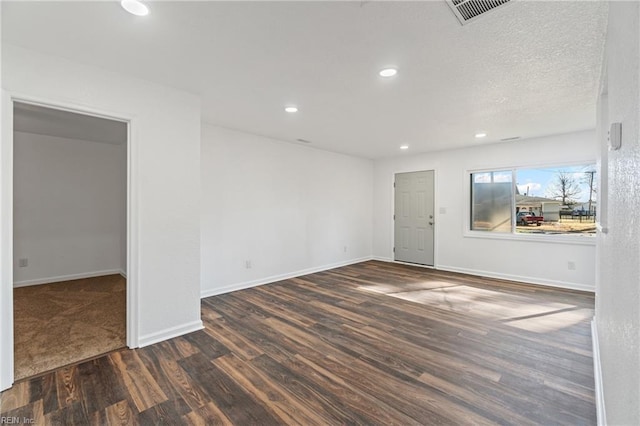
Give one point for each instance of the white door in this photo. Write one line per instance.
(414, 217)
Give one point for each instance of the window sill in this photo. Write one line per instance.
(578, 240)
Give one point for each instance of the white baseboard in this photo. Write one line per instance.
(169, 333)
(123, 273)
(275, 278)
(60, 278)
(520, 278)
(508, 277)
(597, 375)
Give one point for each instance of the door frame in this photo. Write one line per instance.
(6, 221)
(435, 211)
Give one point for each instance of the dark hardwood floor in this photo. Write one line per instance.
(372, 343)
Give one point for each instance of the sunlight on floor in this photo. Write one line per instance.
(515, 310)
(552, 321)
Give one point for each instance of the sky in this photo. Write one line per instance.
(539, 182)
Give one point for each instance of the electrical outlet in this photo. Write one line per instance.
(571, 266)
(247, 264)
(23, 263)
(345, 249)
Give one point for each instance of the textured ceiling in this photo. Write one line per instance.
(528, 69)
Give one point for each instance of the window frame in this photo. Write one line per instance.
(575, 239)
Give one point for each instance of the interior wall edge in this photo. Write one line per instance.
(597, 375)
(268, 280)
(164, 134)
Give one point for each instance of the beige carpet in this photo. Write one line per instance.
(61, 323)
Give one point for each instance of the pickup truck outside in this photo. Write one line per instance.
(528, 218)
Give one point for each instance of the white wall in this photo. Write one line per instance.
(288, 209)
(618, 287)
(164, 267)
(69, 200)
(518, 259)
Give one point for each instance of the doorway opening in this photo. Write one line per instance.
(414, 220)
(70, 180)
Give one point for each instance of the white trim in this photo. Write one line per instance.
(577, 240)
(597, 375)
(520, 278)
(508, 277)
(169, 333)
(123, 273)
(516, 278)
(133, 236)
(6, 225)
(68, 107)
(6, 243)
(59, 278)
(275, 278)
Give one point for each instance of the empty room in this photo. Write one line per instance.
(355, 212)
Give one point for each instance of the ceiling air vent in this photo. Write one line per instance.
(470, 10)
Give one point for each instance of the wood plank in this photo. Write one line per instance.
(73, 414)
(284, 405)
(140, 385)
(237, 344)
(18, 396)
(99, 386)
(326, 406)
(168, 413)
(66, 391)
(233, 401)
(119, 413)
(173, 379)
(208, 415)
(212, 348)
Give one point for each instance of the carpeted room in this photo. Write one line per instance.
(61, 323)
(69, 237)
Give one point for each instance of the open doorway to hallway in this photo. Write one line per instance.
(69, 237)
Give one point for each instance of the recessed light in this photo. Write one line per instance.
(291, 109)
(388, 72)
(135, 7)
(404, 146)
(481, 135)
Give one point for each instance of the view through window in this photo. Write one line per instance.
(547, 200)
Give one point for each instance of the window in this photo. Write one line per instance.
(548, 200)
(491, 201)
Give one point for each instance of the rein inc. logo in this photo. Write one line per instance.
(16, 420)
